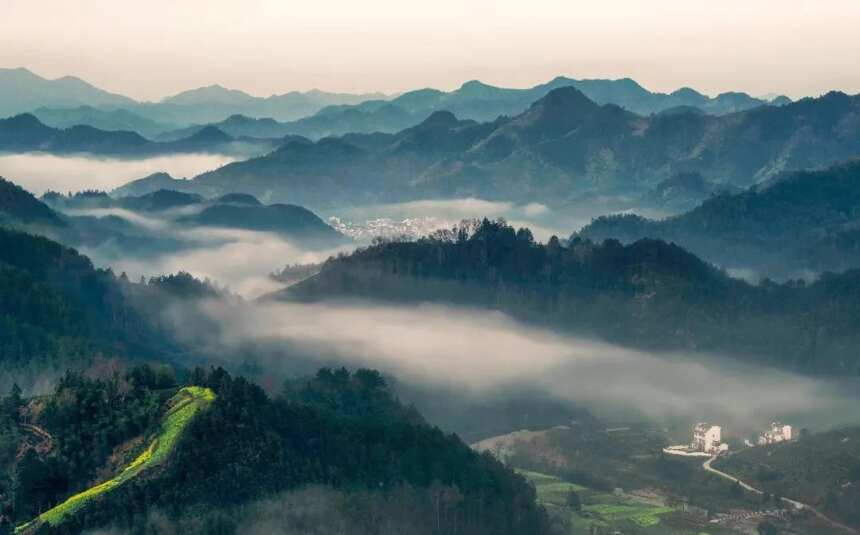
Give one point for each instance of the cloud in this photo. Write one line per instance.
(238, 259)
(38, 173)
(483, 353)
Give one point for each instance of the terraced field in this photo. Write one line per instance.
(181, 410)
(613, 512)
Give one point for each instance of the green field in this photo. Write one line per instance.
(610, 512)
(181, 411)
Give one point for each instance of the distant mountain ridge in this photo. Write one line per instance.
(69, 101)
(21, 91)
(563, 146)
(481, 102)
(26, 133)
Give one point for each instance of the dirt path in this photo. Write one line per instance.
(797, 505)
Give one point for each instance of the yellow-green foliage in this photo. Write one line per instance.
(181, 410)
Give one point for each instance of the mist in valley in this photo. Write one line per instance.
(235, 259)
(39, 173)
(475, 356)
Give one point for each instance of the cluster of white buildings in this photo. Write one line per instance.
(708, 440)
(777, 433)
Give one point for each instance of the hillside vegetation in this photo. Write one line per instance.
(803, 221)
(822, 470)
(181, 410)
(340, 431)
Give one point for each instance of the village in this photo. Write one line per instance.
(707, 440)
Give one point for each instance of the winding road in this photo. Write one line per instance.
(796, 504)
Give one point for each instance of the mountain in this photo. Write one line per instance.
(25, 133)
(328, 122)
(289, 220)
(18, 206)
(213, 104)
(149, 184)
(649, 294)
(337, 450)
(315, 114)
(683, 191)
(482, 102)
(67, 101)
(233, 211)
(103, 119)
(800, 222)
(22, 91)
(562, 147)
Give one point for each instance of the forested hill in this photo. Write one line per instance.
(18, 206)
(59, 311)
(649, 294)
(338, 451)
(803, 221)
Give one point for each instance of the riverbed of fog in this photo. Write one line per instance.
(38, 173)
(482, 355)
(238, 260)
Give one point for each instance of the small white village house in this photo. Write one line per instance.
(706, 438)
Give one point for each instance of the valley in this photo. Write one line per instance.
(449, 268)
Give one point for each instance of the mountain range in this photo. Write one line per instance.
(564, 146)
(800, 223)
(25, 133)
(70, 101)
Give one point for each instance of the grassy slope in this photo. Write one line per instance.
(182, 409)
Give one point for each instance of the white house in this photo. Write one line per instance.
(706, 438)
(776, 433)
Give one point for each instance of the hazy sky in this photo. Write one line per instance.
(158, 47)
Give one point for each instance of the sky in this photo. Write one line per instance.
(152, 49)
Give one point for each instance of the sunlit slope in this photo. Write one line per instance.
(182, 408)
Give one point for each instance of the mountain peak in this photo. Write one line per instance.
(564, 98)
(440, 118)
(210, 134)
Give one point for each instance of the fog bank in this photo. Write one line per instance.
(38, 172)
(481, 354)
